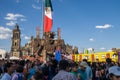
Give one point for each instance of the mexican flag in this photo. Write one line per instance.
(48, 16)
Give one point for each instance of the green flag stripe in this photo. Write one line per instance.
(48, 4)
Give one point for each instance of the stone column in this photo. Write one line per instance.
(44, 55)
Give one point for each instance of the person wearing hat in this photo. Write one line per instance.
(88, 70)
(82, 75)
(114, 73)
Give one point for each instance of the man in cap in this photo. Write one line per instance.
(82, 71)
(114, 73)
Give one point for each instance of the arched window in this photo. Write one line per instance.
(15, 43)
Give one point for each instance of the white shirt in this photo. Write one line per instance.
(6, 76)
(63, 75)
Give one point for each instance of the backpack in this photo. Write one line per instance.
(20, 76)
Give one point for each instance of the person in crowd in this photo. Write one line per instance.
(74, 69)
(88, 71)
(31, 71)
(114, 73)
(108, 64)
(97, 73)
(102, 75)
(8, 71)
(45, 71)
(52, 68)
(82, 74)
(26, 69)
(2, 66)
(37, 76)
(1, 71)
(63, 73)
(93, 66)
(19, 73)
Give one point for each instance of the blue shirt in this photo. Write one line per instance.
(89, 73)
(31, 73)
(58, 55)
(83, 74)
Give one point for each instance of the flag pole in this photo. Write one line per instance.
(43, 11)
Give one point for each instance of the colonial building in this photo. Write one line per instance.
(39, 46)
(48, 43)
(16, 47)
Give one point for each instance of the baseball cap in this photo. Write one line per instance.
(83, 63)
(114, 70)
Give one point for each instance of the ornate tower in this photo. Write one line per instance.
(37, 32)
(15, 48)
(59, 33)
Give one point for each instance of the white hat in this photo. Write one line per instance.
(83, 63)
(114, 70)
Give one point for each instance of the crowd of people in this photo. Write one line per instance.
(59, 70)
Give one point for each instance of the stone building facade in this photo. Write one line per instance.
(38, 46)
(16, 41)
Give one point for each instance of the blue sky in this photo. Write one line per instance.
(84, 23)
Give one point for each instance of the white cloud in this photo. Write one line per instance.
(5, 36)
(19, 15)
(102, 48)
(91, 39)
(23, 19)
(14, 17)
(106, 26)
(26, 37)
(22, 35)
(4, 30)
(11, 23)
(10, 16)
(36, 7)
(5, 33)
